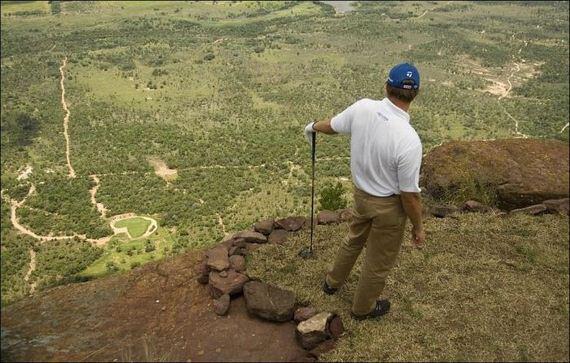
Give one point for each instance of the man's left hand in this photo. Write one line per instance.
(309, 133)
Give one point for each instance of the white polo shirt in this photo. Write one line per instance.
(385, 150)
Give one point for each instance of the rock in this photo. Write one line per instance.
(304, 313)
(228, 242)
(335, 327)
(222, 304)
(265, 227)
(475, 206)
(442, 211)
(218, 258)
(278, 236)
(313, 331)
(519, 172)
(232, 284)
(290, 224)
(345, 215)
(533, 210)
(237, 263)
(202, 272)
(269, 302)
(561, 206)
(327, 217)
(251, 237)
(322, 348)
(241, 251)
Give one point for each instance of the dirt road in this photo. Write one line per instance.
(66, 119)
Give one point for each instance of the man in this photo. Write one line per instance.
(385, 159)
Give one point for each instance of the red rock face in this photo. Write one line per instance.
(517, 172)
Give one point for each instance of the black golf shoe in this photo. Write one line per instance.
(382, 307)
(327, 289)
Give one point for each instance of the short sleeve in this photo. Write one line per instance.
(342, 122)
(409, 164)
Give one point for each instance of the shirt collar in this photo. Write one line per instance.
(396, 110)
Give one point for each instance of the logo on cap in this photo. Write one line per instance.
(409, 74)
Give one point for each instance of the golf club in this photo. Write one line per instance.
(307, 252)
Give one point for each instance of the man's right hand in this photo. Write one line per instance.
(418, 237)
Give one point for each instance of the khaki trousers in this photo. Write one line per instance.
(378, 223)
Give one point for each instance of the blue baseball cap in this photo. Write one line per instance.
(404, 75)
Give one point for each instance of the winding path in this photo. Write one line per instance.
(93, 191)
(516, 69)
(222, 225)
(66, 119)
(31, 269)
(14, 205)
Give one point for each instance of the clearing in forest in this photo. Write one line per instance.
(162, 170)
(135, 227)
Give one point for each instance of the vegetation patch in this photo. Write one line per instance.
(484, 288)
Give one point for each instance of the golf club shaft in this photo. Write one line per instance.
(313, 156)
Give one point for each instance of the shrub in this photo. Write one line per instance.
(331, 197)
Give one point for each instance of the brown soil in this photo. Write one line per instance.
(155, 313)
(162, 170)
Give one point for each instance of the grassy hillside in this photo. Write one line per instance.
(485, 288)
(220, 91)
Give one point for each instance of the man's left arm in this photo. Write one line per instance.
(324, 127)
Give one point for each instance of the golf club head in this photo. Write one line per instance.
(306, 252)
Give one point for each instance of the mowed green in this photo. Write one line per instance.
(484, 288)
(136, 226)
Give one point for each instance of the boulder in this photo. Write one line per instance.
(304, 313)
(217, 258)
(517, 172)
(335, 327)
(533, 210)
(237, 263)
(264, 227)
(442, 211)
(345, 215)
(232, 284)
(327, 217)
(290, 224)
(251, 237)
(222, 304)
(475, 206)
(278, 236)
(313, 331)
(202, 272)
(561, 206)
(269, 302)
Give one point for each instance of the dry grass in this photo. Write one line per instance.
(485, 288)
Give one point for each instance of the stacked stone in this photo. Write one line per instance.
(224, 271)
(551, 206)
